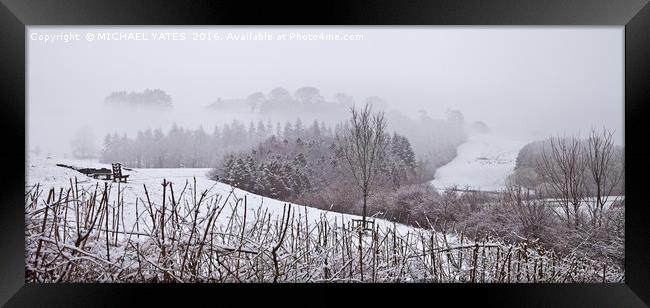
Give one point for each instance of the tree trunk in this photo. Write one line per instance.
(365, 203)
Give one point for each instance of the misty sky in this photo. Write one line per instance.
(528, 82)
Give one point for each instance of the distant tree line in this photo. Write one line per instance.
(148, 97)
(195, 148)
(280, 102)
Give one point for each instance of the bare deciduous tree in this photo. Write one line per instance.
(363, 145)
(600, 162)
(562, 168)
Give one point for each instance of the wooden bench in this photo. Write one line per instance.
(117, 173)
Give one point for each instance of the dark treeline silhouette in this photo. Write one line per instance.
(148, 97)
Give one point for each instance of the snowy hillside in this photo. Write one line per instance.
(483, 163)
(45, 172)
(100, 231)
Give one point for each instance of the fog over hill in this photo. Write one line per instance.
(528, 82)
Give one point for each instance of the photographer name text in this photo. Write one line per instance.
(66, 37)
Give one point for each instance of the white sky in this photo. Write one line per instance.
(525, 81)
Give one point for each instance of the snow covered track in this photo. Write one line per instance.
(197, 230)
(482, 163)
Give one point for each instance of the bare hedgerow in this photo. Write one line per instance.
(83, 234)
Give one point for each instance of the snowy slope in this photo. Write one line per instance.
(45, 172)
(303, 263)
(483, 163)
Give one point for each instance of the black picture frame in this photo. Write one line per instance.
(15, 15)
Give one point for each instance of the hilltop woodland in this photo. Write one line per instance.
(148, 97)
(433, 140)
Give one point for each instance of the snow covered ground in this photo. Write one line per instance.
(398, 257)
(483, 163)
(43, 171)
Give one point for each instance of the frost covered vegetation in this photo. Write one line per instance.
(573, 191)
(81, 234)
(559, 218)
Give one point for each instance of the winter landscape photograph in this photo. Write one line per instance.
(325, 155)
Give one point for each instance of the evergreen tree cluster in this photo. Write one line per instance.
(306, 166)
(401, 164)
(288, 163)
(434, 140)
(194, 148)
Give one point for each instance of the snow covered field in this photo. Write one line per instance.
(247, 236)
(483, 163)
(43, 171)
(85, 239)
